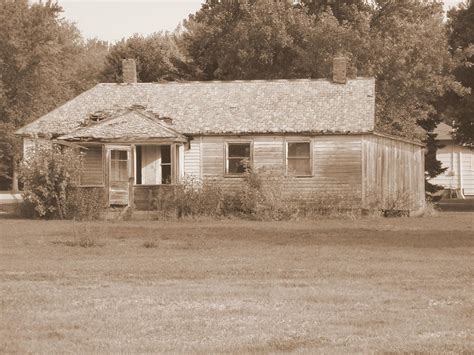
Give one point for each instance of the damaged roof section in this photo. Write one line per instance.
(228, 107)
(132, 123)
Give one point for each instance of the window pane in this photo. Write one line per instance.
(119, 170)
(239, 150)
(298, 150)
(299, 166)
(166, 174)
(119, 155)
(165, 154)
(238, 166)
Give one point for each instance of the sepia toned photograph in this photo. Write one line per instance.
(236, 176)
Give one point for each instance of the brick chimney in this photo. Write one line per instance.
(129, 71)
(339, 70)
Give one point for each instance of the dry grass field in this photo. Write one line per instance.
(391, 285)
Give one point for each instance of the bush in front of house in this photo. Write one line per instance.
(263, 197)
(85, 203)
(49, 175)
(197, 198)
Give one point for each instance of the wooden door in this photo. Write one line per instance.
(119, 176)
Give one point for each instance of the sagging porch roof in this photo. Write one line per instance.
(127, 124)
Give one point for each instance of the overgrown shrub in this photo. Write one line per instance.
(85, 203)
(49, 176)
(260, 195)
(194, 197)
(263, 197)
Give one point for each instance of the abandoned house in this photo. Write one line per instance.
(145, 137)
(458, 160)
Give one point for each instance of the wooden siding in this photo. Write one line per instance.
(459, 162)
(393, 174)
(93, 173)
(192, 158)
(336, 164)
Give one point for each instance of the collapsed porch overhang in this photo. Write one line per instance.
(129, 126)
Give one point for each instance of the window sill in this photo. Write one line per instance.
(91, 186)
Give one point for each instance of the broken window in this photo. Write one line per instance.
(153, 164)
(238, 158)
(299, 158)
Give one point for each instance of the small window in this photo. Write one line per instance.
(238, 158)
(299, 158)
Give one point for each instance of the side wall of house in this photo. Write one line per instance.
(459, 162)
(336, 164)
(392, 174)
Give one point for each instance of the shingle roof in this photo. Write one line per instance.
(129, 123)
(275, 106)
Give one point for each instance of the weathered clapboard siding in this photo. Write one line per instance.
(393, 173)
(336, 164)
(459, 162)
(93, 164)
(192, 158)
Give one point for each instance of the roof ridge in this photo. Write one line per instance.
(205, 82)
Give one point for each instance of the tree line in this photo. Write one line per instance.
(422, 60)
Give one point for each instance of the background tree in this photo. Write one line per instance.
(41, 57)
(157, 57)
(461, 41)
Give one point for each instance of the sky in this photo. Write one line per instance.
(112, 20)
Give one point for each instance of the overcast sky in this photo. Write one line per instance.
(113, 20)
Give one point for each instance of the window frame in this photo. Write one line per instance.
(311, 168)
(226, 157)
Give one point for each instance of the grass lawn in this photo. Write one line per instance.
(237, 286)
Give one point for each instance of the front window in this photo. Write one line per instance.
(238, 158)
(299, 158)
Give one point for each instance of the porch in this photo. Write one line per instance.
(141, 176)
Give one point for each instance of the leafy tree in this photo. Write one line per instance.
(267, 40)
(41, 57)
(157, 57)
(343, 10)
(461, 41)
(89, 65)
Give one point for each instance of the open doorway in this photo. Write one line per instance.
(153, 165)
